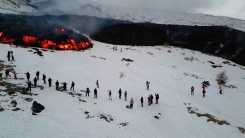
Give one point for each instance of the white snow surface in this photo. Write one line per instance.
(15, 6)
(64, 115)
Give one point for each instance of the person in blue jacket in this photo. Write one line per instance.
(125, 95)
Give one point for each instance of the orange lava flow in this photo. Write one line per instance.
(47, 44)
(1, 33)
(6, 40)
(29, 39)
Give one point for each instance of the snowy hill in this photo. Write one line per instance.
(15, 6)
(70, 114)
(82, 7)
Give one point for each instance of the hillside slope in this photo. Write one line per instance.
(72, 114)
(15, 6)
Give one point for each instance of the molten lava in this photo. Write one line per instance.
(62, 30)
(29, 39)
(1, 33)
(47, 44)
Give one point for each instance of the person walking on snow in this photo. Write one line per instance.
(203, 93)
(131, 102)
(109, 94)
(7, 73)
(97, 84)
(35, 82)
(141, 100)
(1, 75)
(44, 78)
(50, 82)
(147, 84)
(192, 90)
(57, 85)
(28, 76)
(72, 85)
(15, 75)
(220, 90)
(125, 95)
(120, 93)
(37, 74)
(95, 93)
(121, 50)
(157, 97)
(87, 92)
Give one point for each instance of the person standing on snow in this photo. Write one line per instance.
(109, 94)
(37, 74)
(29, 85)
(97, 84)
(203, 93)
(1, 75)
(131, 102)
(120, 93)
(95, 93)
(141, 100)
(8, 56)
(192, 90)
(28, 76)
(220, 90)
(44, 78)
(72, 85)
(121, 50)
(57, 85)
(50, 82)
(35, 82)
(157, 97)
(147, 84)
(125, 95)
(7, 73)
(87, 92)
(64, 86)
(15, 75)
(12, 58)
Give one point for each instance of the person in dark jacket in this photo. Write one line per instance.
(95, 93)
(192, 90)
(57, 85)
(12, 57)
(64, 86)
(1, 76)
(50, 82)
(203, 93)
(35, 82)
(29, 84)
(36, 108)
(7, 73)
(110, 95)
(120, 93)
(157, 97)
(44, 78)
(37, 74)
(28, 76)
(87, 92)
(72, 85)
(8, 56)
(141, 100)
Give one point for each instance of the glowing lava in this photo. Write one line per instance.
(29, 39)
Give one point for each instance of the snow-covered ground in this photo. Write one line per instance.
(15, 6)
(167, 72)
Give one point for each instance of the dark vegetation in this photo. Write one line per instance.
(217, 40)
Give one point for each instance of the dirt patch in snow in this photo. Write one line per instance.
(242, 130)
(108, 118)
(192, 110)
